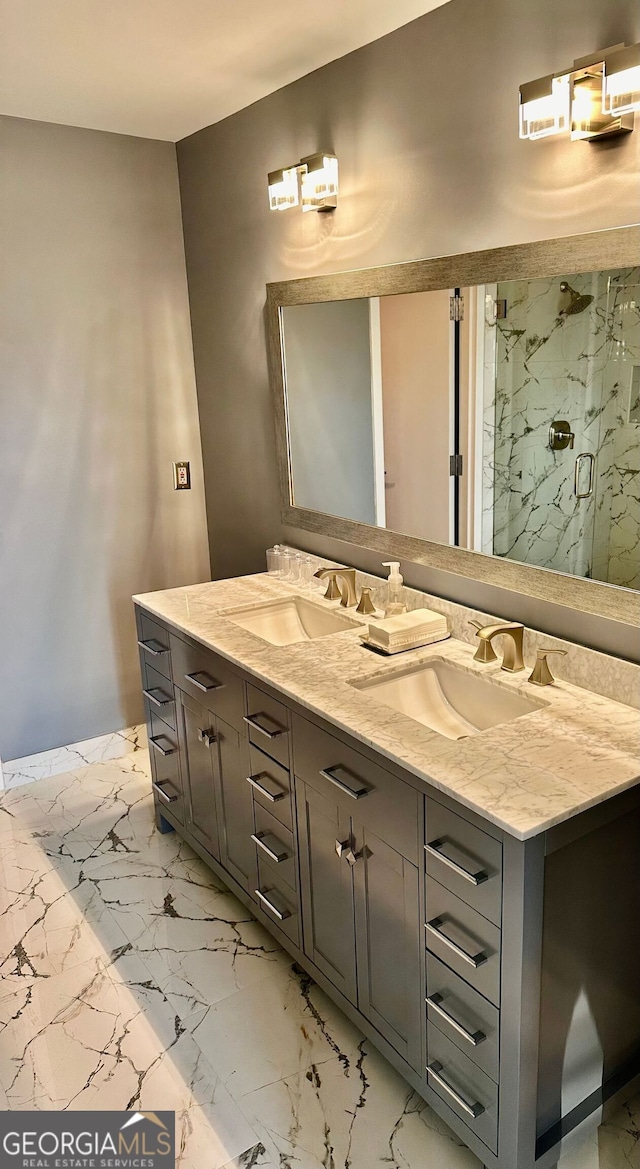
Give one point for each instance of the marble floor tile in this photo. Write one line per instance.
(198, 941)
(18, 772)
(274, 1029)
(102, 1039)
(81, 806)
(51, 918)
(357, 1116)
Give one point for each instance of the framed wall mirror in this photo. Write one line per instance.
(479, 413)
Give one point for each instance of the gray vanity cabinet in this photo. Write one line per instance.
(459, 950)
(197, 737)
(237, 850)
(387, 905)
(324, 832)
(360, 894)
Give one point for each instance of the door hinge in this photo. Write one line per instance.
(456, 308)
(455, 465)
(501, 310)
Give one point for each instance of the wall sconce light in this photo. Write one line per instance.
(312, 182)
(621, 81)
(283, 189)
(596, 99)
(544, 107)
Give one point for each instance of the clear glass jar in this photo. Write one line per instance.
(307, 566)
(285, 563)
(296, 568)
(274, 560)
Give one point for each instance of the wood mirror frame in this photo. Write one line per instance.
(595, 251)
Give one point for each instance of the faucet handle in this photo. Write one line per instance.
(485, 651)
(365, 604)
(541, 674)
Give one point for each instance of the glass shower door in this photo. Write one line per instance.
(561, 361)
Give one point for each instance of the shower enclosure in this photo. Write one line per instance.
(561, 424)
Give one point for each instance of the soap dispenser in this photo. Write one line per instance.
(395, 602)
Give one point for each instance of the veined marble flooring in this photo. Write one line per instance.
(132, 979)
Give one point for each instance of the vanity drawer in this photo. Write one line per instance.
(271, 787)
(376, 798)
(465, 859)
(153, 640)
(462, 1014)
(278, 901)
(205, 677)
(464, 940)
(463, 1086)
(165, 768)
(268, 725)
(158, 692)
(274, 845)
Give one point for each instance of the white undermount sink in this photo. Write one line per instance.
(449, 700)
(291, 619)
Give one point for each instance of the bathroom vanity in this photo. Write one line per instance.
(471, 904)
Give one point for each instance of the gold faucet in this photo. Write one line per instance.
(348, 596)
(512, 658)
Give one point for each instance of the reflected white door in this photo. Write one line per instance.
(415, 342)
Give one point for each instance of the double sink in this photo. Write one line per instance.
(448, 699)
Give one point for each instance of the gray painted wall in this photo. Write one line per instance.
(97, 396)
(424, 123)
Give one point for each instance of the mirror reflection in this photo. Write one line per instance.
(513, 430)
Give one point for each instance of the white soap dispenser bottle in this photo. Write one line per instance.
(395, 592)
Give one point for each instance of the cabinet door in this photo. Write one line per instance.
(388, 939)
(199, 759)
(327, 888)
(237, 850)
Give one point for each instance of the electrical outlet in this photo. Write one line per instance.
(182, 476)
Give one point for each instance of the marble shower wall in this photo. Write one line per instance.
(542, 367)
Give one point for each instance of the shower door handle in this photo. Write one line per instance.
(576, 477)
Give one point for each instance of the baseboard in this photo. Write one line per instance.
(16, 772)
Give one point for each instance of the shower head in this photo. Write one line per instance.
(578, 302)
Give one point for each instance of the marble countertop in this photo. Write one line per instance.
(525, 776)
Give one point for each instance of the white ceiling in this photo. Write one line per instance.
(165, 68)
